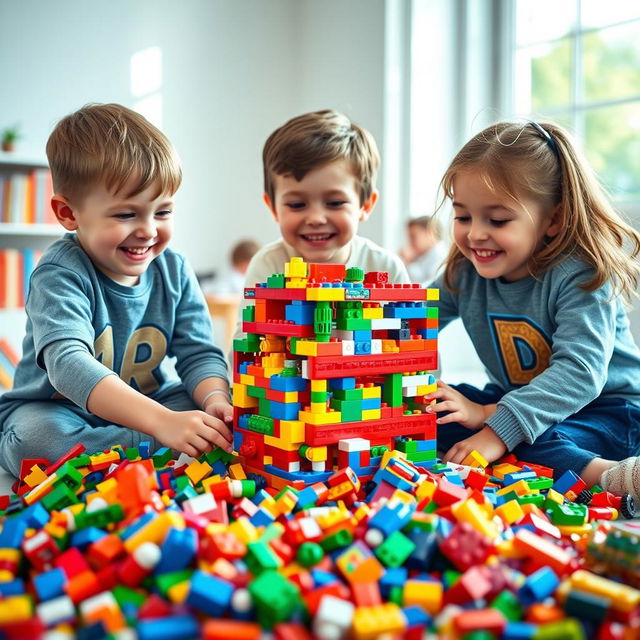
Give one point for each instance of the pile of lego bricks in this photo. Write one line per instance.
(124, 544)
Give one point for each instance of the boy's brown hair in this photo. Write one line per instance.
(243, 251)
(105, 144)
(314, 139)
(428, 223)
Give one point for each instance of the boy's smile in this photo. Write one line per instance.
(497, 234)
(320, 214)
(121, 234)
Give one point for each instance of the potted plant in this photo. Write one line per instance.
(9, 137)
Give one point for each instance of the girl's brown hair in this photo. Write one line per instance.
(106, 144)
(519, 160)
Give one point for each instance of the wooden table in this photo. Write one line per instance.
(224, 306)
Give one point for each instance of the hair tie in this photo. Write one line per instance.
(547, 136)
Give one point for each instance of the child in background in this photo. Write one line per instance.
(537, 273)
(232, 281)
(425, 253)
(319, 182)
(109, 302)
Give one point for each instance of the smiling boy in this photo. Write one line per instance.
(319, 184)
(109, 301)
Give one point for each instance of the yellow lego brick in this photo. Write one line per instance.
(373, 313)
(425, 490)
(426, 389)
(296, 283)
(325, 294)
(555, 496)
(470, 511)
(285, 504)
(316, 454)
(371, 414)
(371, 392)
(36, 476)
(267, 460)
(243, 530)
(272, 344)
(521, 488)
(241, 398)
(580, 530)
(318, 407)
(475, 459)
(207, 482)
(178, 592)
(156, 530)
(295, 268)
(426, 595)
(245, 378)
(319, 385)
(283, 443)
(510, 511)
(391, 453)
(501, 470)
(41, 490)
(16, 609)
(330, 417)
(622, 597)
(10, 555)
(306, 348)
(104, 458)
(236, 471)
(433, 294)
(291, 430)
(197, 471)
(107, 490)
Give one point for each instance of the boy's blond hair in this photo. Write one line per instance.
(540, 162)
(314, 139)
(105, 144)
(428, 223)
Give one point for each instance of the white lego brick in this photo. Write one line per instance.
(294, 467)
(386, 323)
(333, 618)
(418, 380)
(342, 334)
(202, 503)
(409, 392)
(318, 466)
(309, 525)
(354, 444)
(304, 369)
(376, 346)
(348, 348)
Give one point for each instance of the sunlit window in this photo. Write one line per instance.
(578, 62)
(146, 84)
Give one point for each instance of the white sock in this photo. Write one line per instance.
(623, 478)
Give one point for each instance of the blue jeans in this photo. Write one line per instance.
(606, 428)
(48, 429)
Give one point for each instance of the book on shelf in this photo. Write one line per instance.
(16, 267)
(26, 197)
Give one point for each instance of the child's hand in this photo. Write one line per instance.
(194, 433)
(469, 414)
(486, 442)
(219, 408)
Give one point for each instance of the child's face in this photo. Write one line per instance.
(121, 234)
(319, 215)
(496, 234)
(420, 239)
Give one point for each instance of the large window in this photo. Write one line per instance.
(578, 62)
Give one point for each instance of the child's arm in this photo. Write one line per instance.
(192, 432)
(485, 441)
(460, 409)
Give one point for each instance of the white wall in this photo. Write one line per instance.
(232, 72)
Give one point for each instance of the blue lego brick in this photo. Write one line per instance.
(407, 310)
(538, 586)
(300, 312)
(516, 476)
(565, 482)
(168, 628)
(306, 497)
(371, 403)
(394, 462)
(426, 547)
(454, 478)
(177, 551)
(15, 587)
(416, 616)
(83, 538)
(392, 577)
(261, 518)
(391, 518)
(342, 383)
(284, 383)
(36, 516)
(238, 438)
(137, 524)
(323, 578)
(428, 334)
(362, 336)
(519, 631)
(50, 584)
(243, 367)
(308, 477)
(12, 533)
(284, 410)
(209, 594)
(425, 445)
(362, 348)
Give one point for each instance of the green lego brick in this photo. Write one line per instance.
(309, 554)
(249, 314)
(165, 581)
(68, 475)
(322, 321)
(392, 390)
(532, 498)
(540, 483)
(406, 446)
(354, 274)
(250, 344)
(260, 557)
(162, 459)
(341, 538)
(432, 312)
(351, 410)
(348, 394)
(275, 598)
(132, 453)
(319, 396)
(62, 496)
(422, 456)
(508, 604)
(353, 324)
(276, 281)
(256, 392)
(80, 461)
(395, 549)
(260, 424)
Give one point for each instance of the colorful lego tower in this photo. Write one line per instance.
(332, 373)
